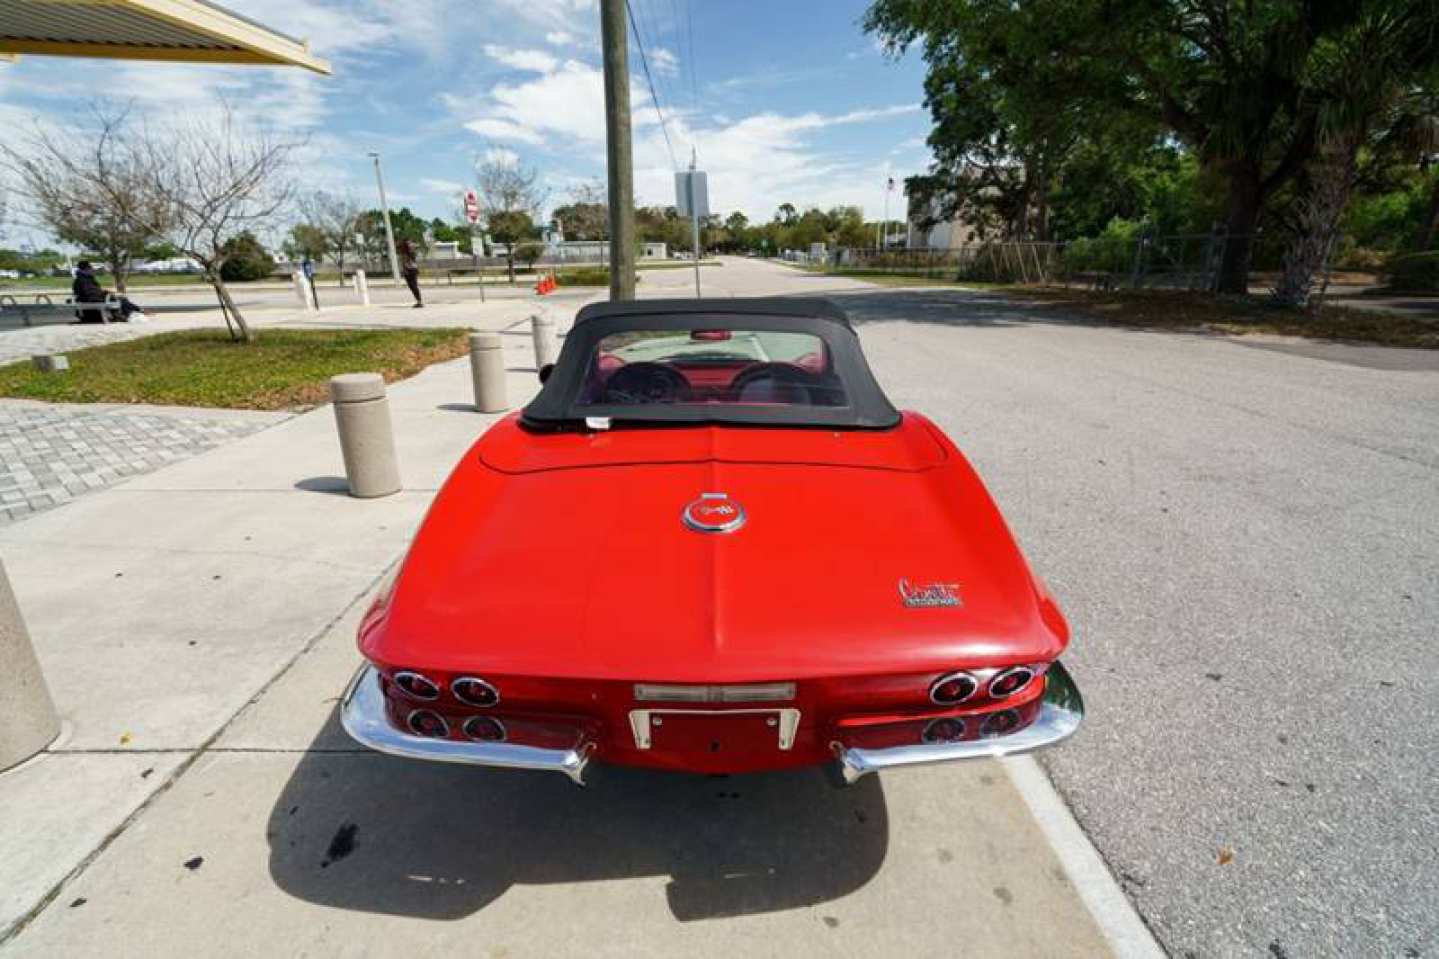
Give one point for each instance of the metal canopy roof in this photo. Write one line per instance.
(183, 30)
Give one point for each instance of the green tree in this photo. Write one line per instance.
(306, 241)
(587, 215)
(457, 233)
(512, 200)
(512, 228)
(160, 251)
(1244, 87)
(1378, 61)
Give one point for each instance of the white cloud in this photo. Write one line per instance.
(449, 187)
(499, 129)
(560, 38)
(550, 14)
(566, 104)
(501, 156)
(664, 61)
(530, 61)
(760, 161)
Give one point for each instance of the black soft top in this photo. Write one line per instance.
(556, 405)
(810, 307)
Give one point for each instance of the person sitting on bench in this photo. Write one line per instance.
(87, 289)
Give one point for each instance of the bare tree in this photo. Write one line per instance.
(512, 201)
(212, 180)
(337, 219)
(586, 216)
(76, 183)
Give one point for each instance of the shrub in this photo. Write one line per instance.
(1359, 258)
(528, 253)
(586, 276)
(1413, 271)
(245, 259)
(1110, 252)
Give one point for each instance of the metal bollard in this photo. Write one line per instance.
(302, 291)
(487, 369)
(362, 287)
(367, 440)
(543, 330)
(28, 722)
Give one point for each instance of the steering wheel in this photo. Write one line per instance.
(789, 380)
(644, 383)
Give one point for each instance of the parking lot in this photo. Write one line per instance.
(1244, 538)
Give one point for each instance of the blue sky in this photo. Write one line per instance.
(784, 101)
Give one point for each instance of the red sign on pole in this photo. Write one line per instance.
(472, 206)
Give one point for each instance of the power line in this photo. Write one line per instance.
(690, 30)
(645, 62)
(646, 21)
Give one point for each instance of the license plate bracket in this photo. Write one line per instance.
(701, 728)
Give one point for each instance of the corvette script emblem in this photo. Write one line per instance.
(713, 513)
(929, 594)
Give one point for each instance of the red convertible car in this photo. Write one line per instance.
(711, 544)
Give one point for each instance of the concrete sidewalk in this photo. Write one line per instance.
(197, 626)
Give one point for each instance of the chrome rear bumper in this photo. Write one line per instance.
(1060, 714)
(362, 713)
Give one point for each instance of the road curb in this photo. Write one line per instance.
(1116, 917)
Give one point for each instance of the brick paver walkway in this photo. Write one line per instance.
(50, 454)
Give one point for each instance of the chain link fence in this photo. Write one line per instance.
(1185, 261)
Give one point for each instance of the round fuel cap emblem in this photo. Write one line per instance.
(714, 513)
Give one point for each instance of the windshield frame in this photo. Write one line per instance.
(557, 406)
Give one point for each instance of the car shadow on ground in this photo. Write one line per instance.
(353, 829)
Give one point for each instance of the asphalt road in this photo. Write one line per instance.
(1246, 542)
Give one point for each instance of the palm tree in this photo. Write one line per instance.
(1387, 56)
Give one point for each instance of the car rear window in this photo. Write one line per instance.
(711, 367)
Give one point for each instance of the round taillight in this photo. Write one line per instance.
(947, 730)
(474, 692)
(953, 688)
(416, 686)
(997, 724)
(422, 722)
(486, 729)
(1010, 681)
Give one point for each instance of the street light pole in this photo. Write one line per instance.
(620, 162)
(385, 213)
(695, 221)
(888, 189)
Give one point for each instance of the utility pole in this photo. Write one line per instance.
(890, 187)
(385, 212)
(619, 157)
(695, 222)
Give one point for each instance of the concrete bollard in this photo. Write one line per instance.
(362, 287)
(27, 722)
(51, 362)
(302, 291)
(487, 369)
(543, 330)
(367, 440)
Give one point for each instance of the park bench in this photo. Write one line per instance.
(42, 309)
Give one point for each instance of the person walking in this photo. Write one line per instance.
(87, 289)
(410, 269)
